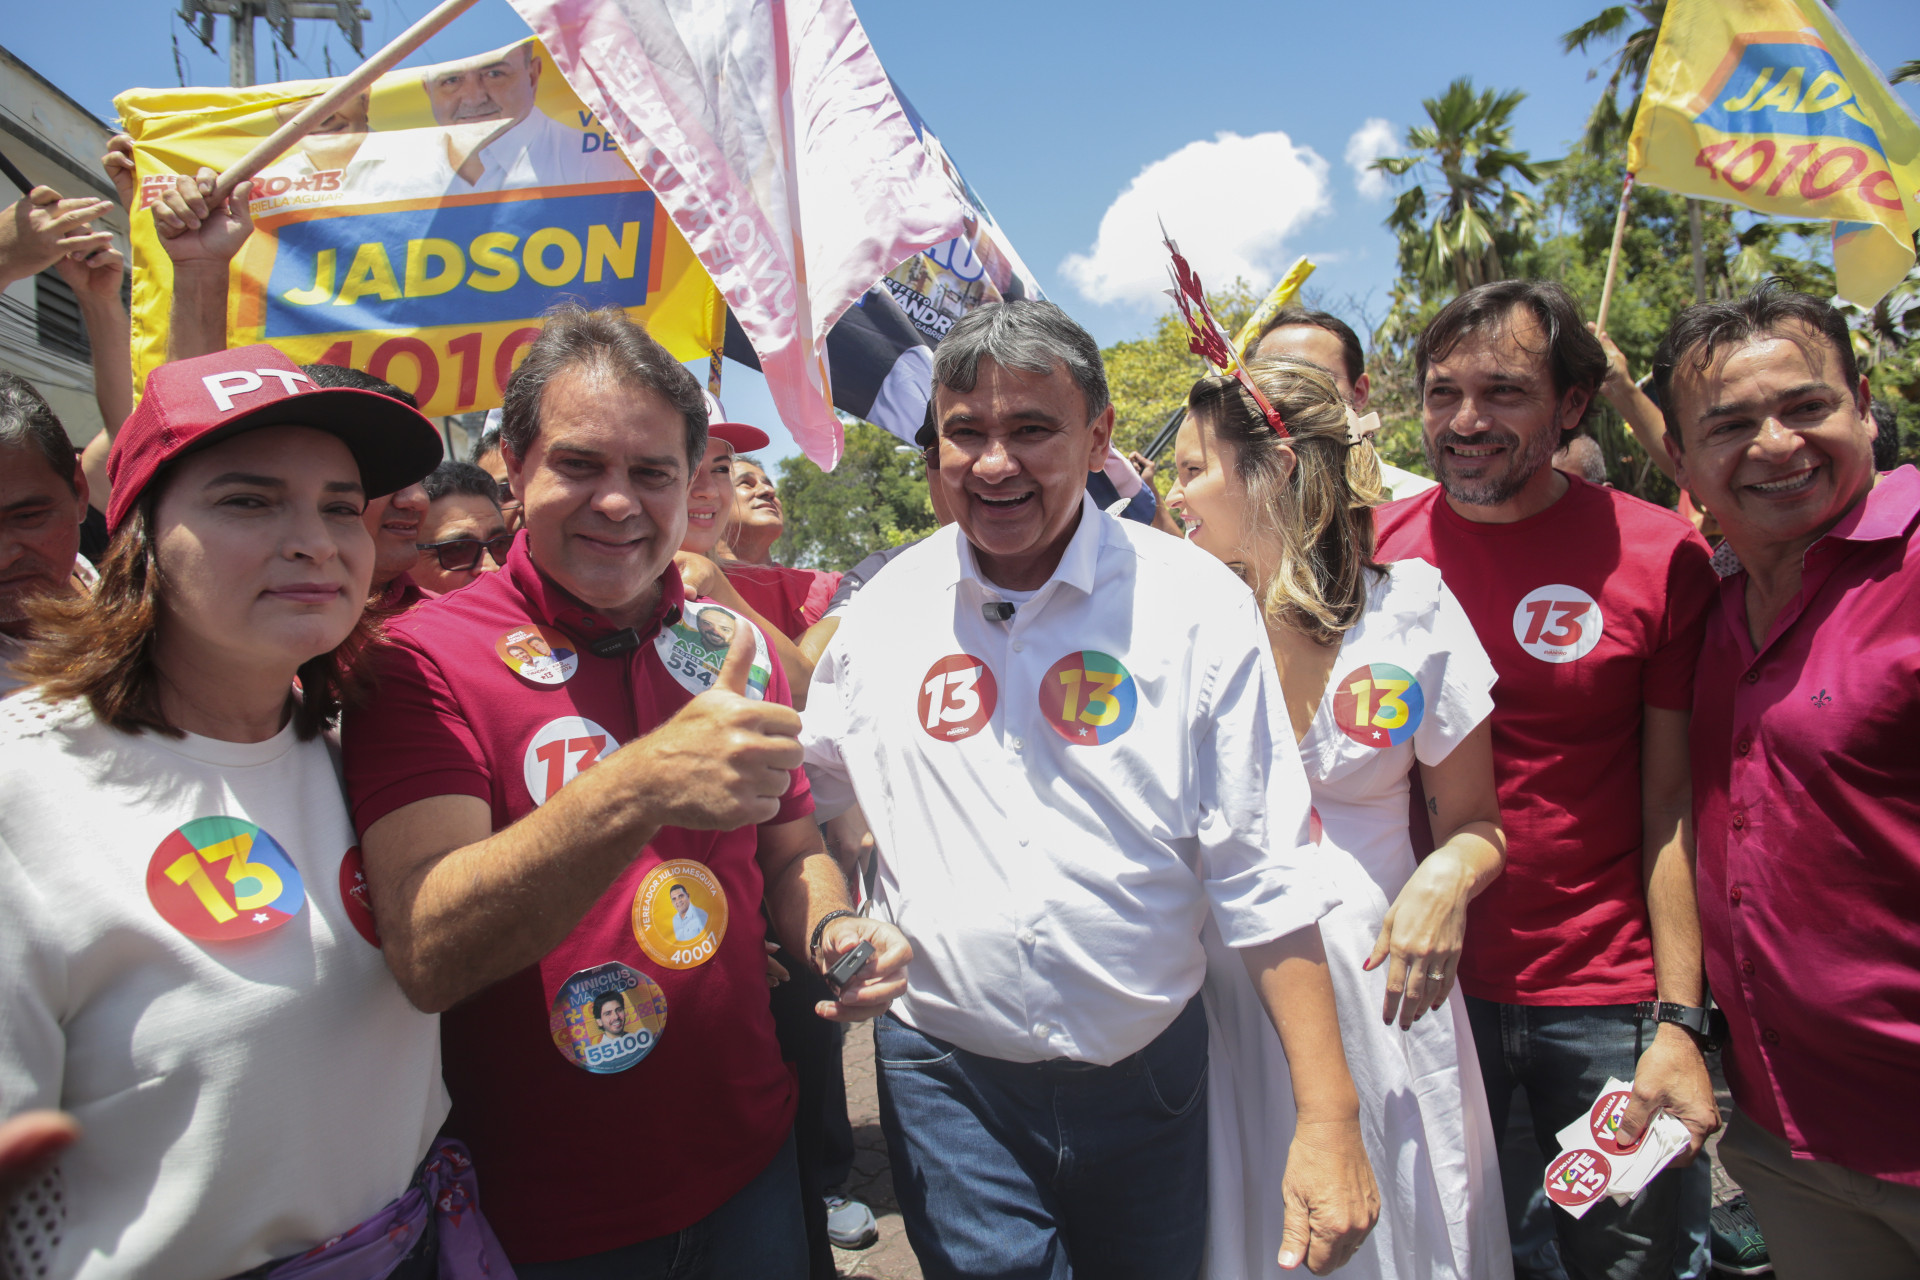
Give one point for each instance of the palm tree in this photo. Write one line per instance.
(1905, 72)
(1477, 207)
(1608, 125)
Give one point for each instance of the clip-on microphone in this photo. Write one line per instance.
(625, 640)
(997, 610)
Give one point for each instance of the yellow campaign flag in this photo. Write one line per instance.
(421, 231)
(1770, 105)
(1282, 294)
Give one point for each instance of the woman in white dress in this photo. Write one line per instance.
(1381, 671)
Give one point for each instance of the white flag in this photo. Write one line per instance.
(770, 135)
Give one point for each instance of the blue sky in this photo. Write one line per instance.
(1056, 107)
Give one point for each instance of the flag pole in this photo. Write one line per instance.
(1613, 255)
(320, 108)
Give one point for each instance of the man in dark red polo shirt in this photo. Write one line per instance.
(1806, 778)
(1590, 603)
(553, 751)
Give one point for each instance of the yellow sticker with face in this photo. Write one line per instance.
(680, 914)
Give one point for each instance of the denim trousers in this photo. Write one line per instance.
(1562, 1056)
(1049, 1170)
(755, 1235)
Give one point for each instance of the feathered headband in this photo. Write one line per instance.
(1204, 335)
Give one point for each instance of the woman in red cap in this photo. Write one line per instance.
(192, 967)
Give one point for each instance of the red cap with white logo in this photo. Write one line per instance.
(190, 404)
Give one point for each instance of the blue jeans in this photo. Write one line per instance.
(1049, 1170)
(756, 1235)
(1562, 1055)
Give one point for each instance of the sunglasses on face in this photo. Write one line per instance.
(457, 555)
(503, 493)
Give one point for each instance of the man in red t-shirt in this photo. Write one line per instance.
(525, 822)
(1590, 603)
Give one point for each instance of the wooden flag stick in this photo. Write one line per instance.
(320, 108)
(1613, 255)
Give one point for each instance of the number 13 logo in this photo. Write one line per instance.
(957, 697)
(1379, 705)
(560, 750)
(220, 879)
(1089, 697)
(1558, 623)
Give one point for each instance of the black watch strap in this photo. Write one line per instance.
(813, 945)
(1695, 1019)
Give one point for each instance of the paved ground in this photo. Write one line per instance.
(872, 1181)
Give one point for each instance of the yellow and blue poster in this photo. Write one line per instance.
(1768, 104)
(423, 228)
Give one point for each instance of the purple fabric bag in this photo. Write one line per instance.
(370, 1251)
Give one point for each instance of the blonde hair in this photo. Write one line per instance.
(1318, 513)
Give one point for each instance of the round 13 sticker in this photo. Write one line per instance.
(1578, 1177)
(1089, 697)
(1604, 1121)
(219, 879)
(957, 697)
(1558, 623)
(680, 914)
(356, 896)
(1378, 705)
(539, 654)
(560, 749)
(607, 1018)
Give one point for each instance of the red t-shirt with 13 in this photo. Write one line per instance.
(1589, 610)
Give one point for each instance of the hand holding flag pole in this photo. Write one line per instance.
(276, 145)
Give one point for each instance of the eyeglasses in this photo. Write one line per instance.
(503, 493)
(458, 555)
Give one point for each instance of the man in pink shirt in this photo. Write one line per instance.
(1806, 777)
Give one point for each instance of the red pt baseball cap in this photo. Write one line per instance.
(190, 404)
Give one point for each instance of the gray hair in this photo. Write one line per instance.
(27, 421)
(608, 341)
(1031, 337)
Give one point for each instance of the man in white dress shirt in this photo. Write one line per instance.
(1068, 782)
(498, 139)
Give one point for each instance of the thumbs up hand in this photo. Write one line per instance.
(725, 759)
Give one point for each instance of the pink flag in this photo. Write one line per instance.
(771, 136)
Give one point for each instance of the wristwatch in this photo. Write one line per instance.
(1696, 1020)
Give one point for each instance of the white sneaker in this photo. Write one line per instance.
(850, 1224)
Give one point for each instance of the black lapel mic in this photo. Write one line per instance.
(625, 640)
(997, 610)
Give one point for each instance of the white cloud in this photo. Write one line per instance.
(1229, 203)
(1369, 142)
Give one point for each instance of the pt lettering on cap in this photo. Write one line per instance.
(223, 387)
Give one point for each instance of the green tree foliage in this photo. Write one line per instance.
(1149, 377)
(875, 498)
(1467, 213)
(1609, 126)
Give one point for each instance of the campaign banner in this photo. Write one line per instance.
(421, 231)
(880, 352)
(773, 136)
(1770, 105)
